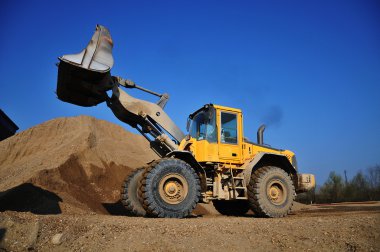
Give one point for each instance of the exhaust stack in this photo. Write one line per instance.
(260, 135)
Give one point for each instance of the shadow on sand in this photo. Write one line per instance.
(30, 198)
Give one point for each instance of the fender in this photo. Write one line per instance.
(190, 159)
(264, 159)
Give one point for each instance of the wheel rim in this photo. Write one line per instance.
(276, 192)
(173, 188)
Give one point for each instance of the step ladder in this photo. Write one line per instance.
(241, 189)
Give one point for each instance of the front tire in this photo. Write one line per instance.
(271, 192)
(170, 188)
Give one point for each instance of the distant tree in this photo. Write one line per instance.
(348, 191)
(332, 189)
(363, 186)
(359, 188)
(373, 178)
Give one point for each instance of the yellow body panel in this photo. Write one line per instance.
(204, 151)
(231, 155)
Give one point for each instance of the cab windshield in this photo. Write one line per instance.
(203, 125)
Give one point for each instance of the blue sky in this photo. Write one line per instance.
(310, 70)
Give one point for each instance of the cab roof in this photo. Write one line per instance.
(226, 108)
(216, 107)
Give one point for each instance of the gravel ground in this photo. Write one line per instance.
(343, 227)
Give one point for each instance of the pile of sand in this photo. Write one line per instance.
(72, 164)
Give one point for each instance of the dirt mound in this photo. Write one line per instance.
(72, 164)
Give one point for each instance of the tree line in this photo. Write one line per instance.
(364, 186)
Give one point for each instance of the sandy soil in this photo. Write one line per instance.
(59, 191)
(310, 229)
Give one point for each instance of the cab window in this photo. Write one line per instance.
(229, 128)
(203, 126)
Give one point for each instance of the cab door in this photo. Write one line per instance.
(229, 136)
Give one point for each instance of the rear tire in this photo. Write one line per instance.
(129, 193)
(271, 192)
(170, 188)
(231, 207)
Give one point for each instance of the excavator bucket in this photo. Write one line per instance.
(84, 78)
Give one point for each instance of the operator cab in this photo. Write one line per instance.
(216, 133)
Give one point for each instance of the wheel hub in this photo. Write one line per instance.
(276, 192)
(173, 188)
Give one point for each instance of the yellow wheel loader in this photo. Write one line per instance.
(214, 162)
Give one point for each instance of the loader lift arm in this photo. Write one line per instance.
(164, 98)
